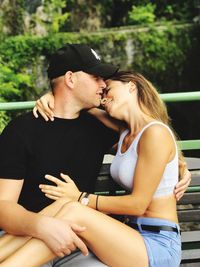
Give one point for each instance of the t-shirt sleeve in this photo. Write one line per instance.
(12, 154)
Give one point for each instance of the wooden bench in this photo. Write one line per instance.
(188, 208)
(189, 214)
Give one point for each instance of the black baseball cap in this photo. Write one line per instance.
(78, 57)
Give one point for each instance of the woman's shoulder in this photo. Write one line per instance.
(157, 132)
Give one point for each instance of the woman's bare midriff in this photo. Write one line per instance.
(163, 208)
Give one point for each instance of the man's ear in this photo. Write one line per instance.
(69, 79)
(132, 87)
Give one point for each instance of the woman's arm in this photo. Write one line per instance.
(184, 180)
(45, 106)
(154, 150)
(108, 121)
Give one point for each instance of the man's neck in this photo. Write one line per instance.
(66, 109)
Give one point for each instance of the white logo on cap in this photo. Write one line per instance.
(95, 54)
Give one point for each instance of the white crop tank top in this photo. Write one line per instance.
(123, 165)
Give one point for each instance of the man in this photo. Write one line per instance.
(74, 144)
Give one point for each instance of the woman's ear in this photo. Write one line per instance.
(132, 87)
(69, 79)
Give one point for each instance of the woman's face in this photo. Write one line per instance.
(115, 98)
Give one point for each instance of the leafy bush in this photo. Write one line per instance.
(142, 14)
(12, 83)
(168, 55)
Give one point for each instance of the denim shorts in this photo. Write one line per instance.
(164, 247)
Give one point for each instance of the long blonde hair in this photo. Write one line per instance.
(148, 97)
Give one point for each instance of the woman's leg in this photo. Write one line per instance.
(113, 242)
(10, 243)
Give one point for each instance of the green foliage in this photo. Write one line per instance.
(4, 119)
(176, 10)
(12, 16)
(142, 14)
(167, 55)
(12, 83)
(53, 18)
(155, 52)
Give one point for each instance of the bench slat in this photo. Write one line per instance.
(191, 254)
(192, 215)
(190, 198)
(193, 163)
(195, 179)
(190, 236)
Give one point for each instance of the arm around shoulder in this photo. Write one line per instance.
(108, 121)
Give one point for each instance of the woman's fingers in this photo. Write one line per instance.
(53, 179)
(51, 197)
(35, 112)
(42, 113)
(43, 108)
(51, 102)
(66, 178)
(52, 192)
(46, 104)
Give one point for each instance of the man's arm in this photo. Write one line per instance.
(184, 180)
(14, 219)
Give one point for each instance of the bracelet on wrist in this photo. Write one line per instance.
(80, 196)
(97, 198)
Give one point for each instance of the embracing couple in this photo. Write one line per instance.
(48, 210)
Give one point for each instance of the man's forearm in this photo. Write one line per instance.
(16, 220)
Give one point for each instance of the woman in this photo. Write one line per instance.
(146, 164)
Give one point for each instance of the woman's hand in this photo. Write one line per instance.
(185, 179)
(63, 189)
(45, 106)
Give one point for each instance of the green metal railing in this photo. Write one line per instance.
(17, 105)
(170, 97)
(179, 97)
(189, 144)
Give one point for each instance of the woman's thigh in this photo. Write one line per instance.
(115, 243)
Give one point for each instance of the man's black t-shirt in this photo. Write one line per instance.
(31, 148)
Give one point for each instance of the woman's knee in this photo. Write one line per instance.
(69, 209)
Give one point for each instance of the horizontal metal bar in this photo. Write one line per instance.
(169, 97)
(17, 105)
(189, 144)
(193, 189)
(178, 97)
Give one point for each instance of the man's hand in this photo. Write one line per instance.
(185, 179)
(60, 237)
